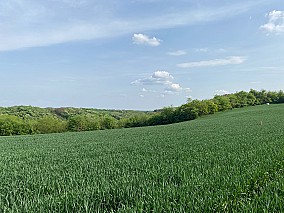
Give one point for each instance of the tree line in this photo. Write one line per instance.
(196, 108)
(32, 120)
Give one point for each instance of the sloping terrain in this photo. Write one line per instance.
(230, 161)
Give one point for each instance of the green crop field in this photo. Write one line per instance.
(231, 161)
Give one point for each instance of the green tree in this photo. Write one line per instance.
(108, 122)
(134, 121)
(50, 125)
(244, 99)
(272, 97)
(187, 112)
(13, 125)
(280, 95)
(83, 123)
(223, 102)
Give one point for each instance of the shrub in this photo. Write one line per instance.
(83, 123)
(12, 125)
(50, 125)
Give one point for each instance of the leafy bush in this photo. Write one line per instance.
(12, 125)
(83, 123)
(134, 121)
(50, 125)
(108, 122)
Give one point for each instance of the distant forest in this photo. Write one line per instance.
(23, 120)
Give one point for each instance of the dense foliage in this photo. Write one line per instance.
(22, 120)
(31, 120)
(196, 108)
(230, 162)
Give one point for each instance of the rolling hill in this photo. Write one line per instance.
(229, 161)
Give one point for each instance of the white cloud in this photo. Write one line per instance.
(164, 79)
(162, 75)
(158, 77)
(144, 39)
(173, 88)
(29, 23)
(177, 53)
(176, 88)
(214, 62)
(275, 22)
(221, 92)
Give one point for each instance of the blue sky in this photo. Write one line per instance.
(137, 54)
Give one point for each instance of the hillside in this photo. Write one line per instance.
(24, 120)
(229, 161)
(31, 112)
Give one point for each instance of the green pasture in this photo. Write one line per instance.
(227, 162)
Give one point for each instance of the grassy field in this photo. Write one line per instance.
(231, 161)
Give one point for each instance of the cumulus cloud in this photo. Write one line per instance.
(162, 78)
(144, 39)
(275, 22)
(162, 75)
(176, 89)
(214, 62)
(173, 88)
(158, 77)
(177, 53)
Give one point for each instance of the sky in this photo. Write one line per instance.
(137, 54)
